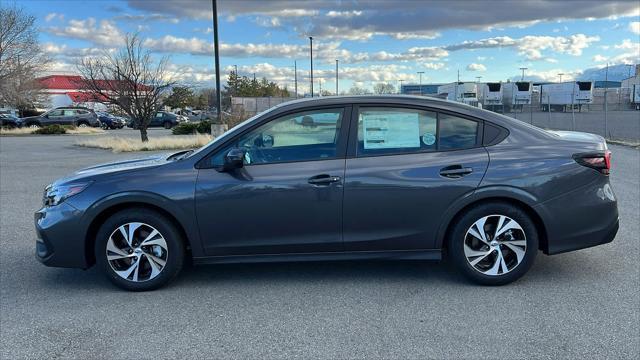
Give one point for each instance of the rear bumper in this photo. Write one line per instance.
(582, 218)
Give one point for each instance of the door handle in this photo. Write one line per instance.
(455, 171)
(323, 179)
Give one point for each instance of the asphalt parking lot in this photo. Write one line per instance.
(584, 304)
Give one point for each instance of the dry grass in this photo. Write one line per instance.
(175, 142)
(16, 131)
(71, 131)
(85, 131)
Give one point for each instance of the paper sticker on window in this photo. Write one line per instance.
(384, 130)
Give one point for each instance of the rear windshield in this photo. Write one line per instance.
(522, 86)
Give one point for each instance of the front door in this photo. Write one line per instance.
(405, 167)
(288, 196)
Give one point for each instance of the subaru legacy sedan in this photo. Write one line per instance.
(384, 177)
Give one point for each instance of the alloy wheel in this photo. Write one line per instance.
(137, 252)
(495, 245)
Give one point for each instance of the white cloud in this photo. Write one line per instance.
(531, 46)
(106, 33)
(599, 58)
(51, 16)
(634, 27)
(476, 67)
(433, 66)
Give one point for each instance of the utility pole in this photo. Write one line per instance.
(320, 83)
(217, 61)
(336, 77)
(478, 79)
(311, 61)
(560, 74)
(606, 80)
(295, 76)
(523, 69)
(420, 83)
(400, 89)
(457, 84)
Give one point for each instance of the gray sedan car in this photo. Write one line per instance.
(384, 177)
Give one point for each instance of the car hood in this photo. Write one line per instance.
(119, 167)
(30, 118)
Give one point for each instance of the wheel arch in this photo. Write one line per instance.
(105, 212)
(520, 199)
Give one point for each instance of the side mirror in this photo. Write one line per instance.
(267, 141)
(234, 159)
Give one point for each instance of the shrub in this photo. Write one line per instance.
(52, 130)
(202, 127)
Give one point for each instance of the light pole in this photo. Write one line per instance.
(478, 79)
(336, 77)
(560, 74)
(400, 89)
(295, 76)
(523, 69)
(420, 82)
(311, 61)
(217, 61)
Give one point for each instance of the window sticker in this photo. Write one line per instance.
(428, 139)
(385, 129)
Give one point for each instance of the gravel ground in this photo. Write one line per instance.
(584, 304)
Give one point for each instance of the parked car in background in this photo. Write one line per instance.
(110, 121)
(10, 121)
(162, 119)
(402, 177)
(76, 116)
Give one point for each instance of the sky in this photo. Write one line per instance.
(374, 41)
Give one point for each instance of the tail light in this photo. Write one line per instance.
(600, 161)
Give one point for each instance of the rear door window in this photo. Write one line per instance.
(456, 132)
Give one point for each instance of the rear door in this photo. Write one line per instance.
(405, 166)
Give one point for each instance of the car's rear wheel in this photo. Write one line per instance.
(167, 125)
(139, 249)
(493, 243)
(34, 126)
(83, 124)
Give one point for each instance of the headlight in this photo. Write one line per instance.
(54, 195)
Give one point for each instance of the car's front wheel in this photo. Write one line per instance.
(139, 249)
(493, 243)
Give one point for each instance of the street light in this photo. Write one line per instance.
(478, 78)
(336, 77)
(523, 69)
(420, 83)
(217, 61)
(295, 76)
(400, 90)
(560, 74)
(311, 61)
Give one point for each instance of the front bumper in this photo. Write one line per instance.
(60, 242)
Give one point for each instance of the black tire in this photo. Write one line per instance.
(34, 124)
(83, 123)
(458, 235)
(175, 248)
(168, 125)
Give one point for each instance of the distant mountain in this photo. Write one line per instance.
(616, 73)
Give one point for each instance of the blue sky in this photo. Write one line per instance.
(374, 40)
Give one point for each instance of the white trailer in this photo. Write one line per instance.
(634, 95)
(464, 92)
(516, 94)
(491, 96)
(559, 96)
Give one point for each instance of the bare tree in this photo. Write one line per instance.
(21, 59)
(384, 88)
(130, 79)
(356, 90)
